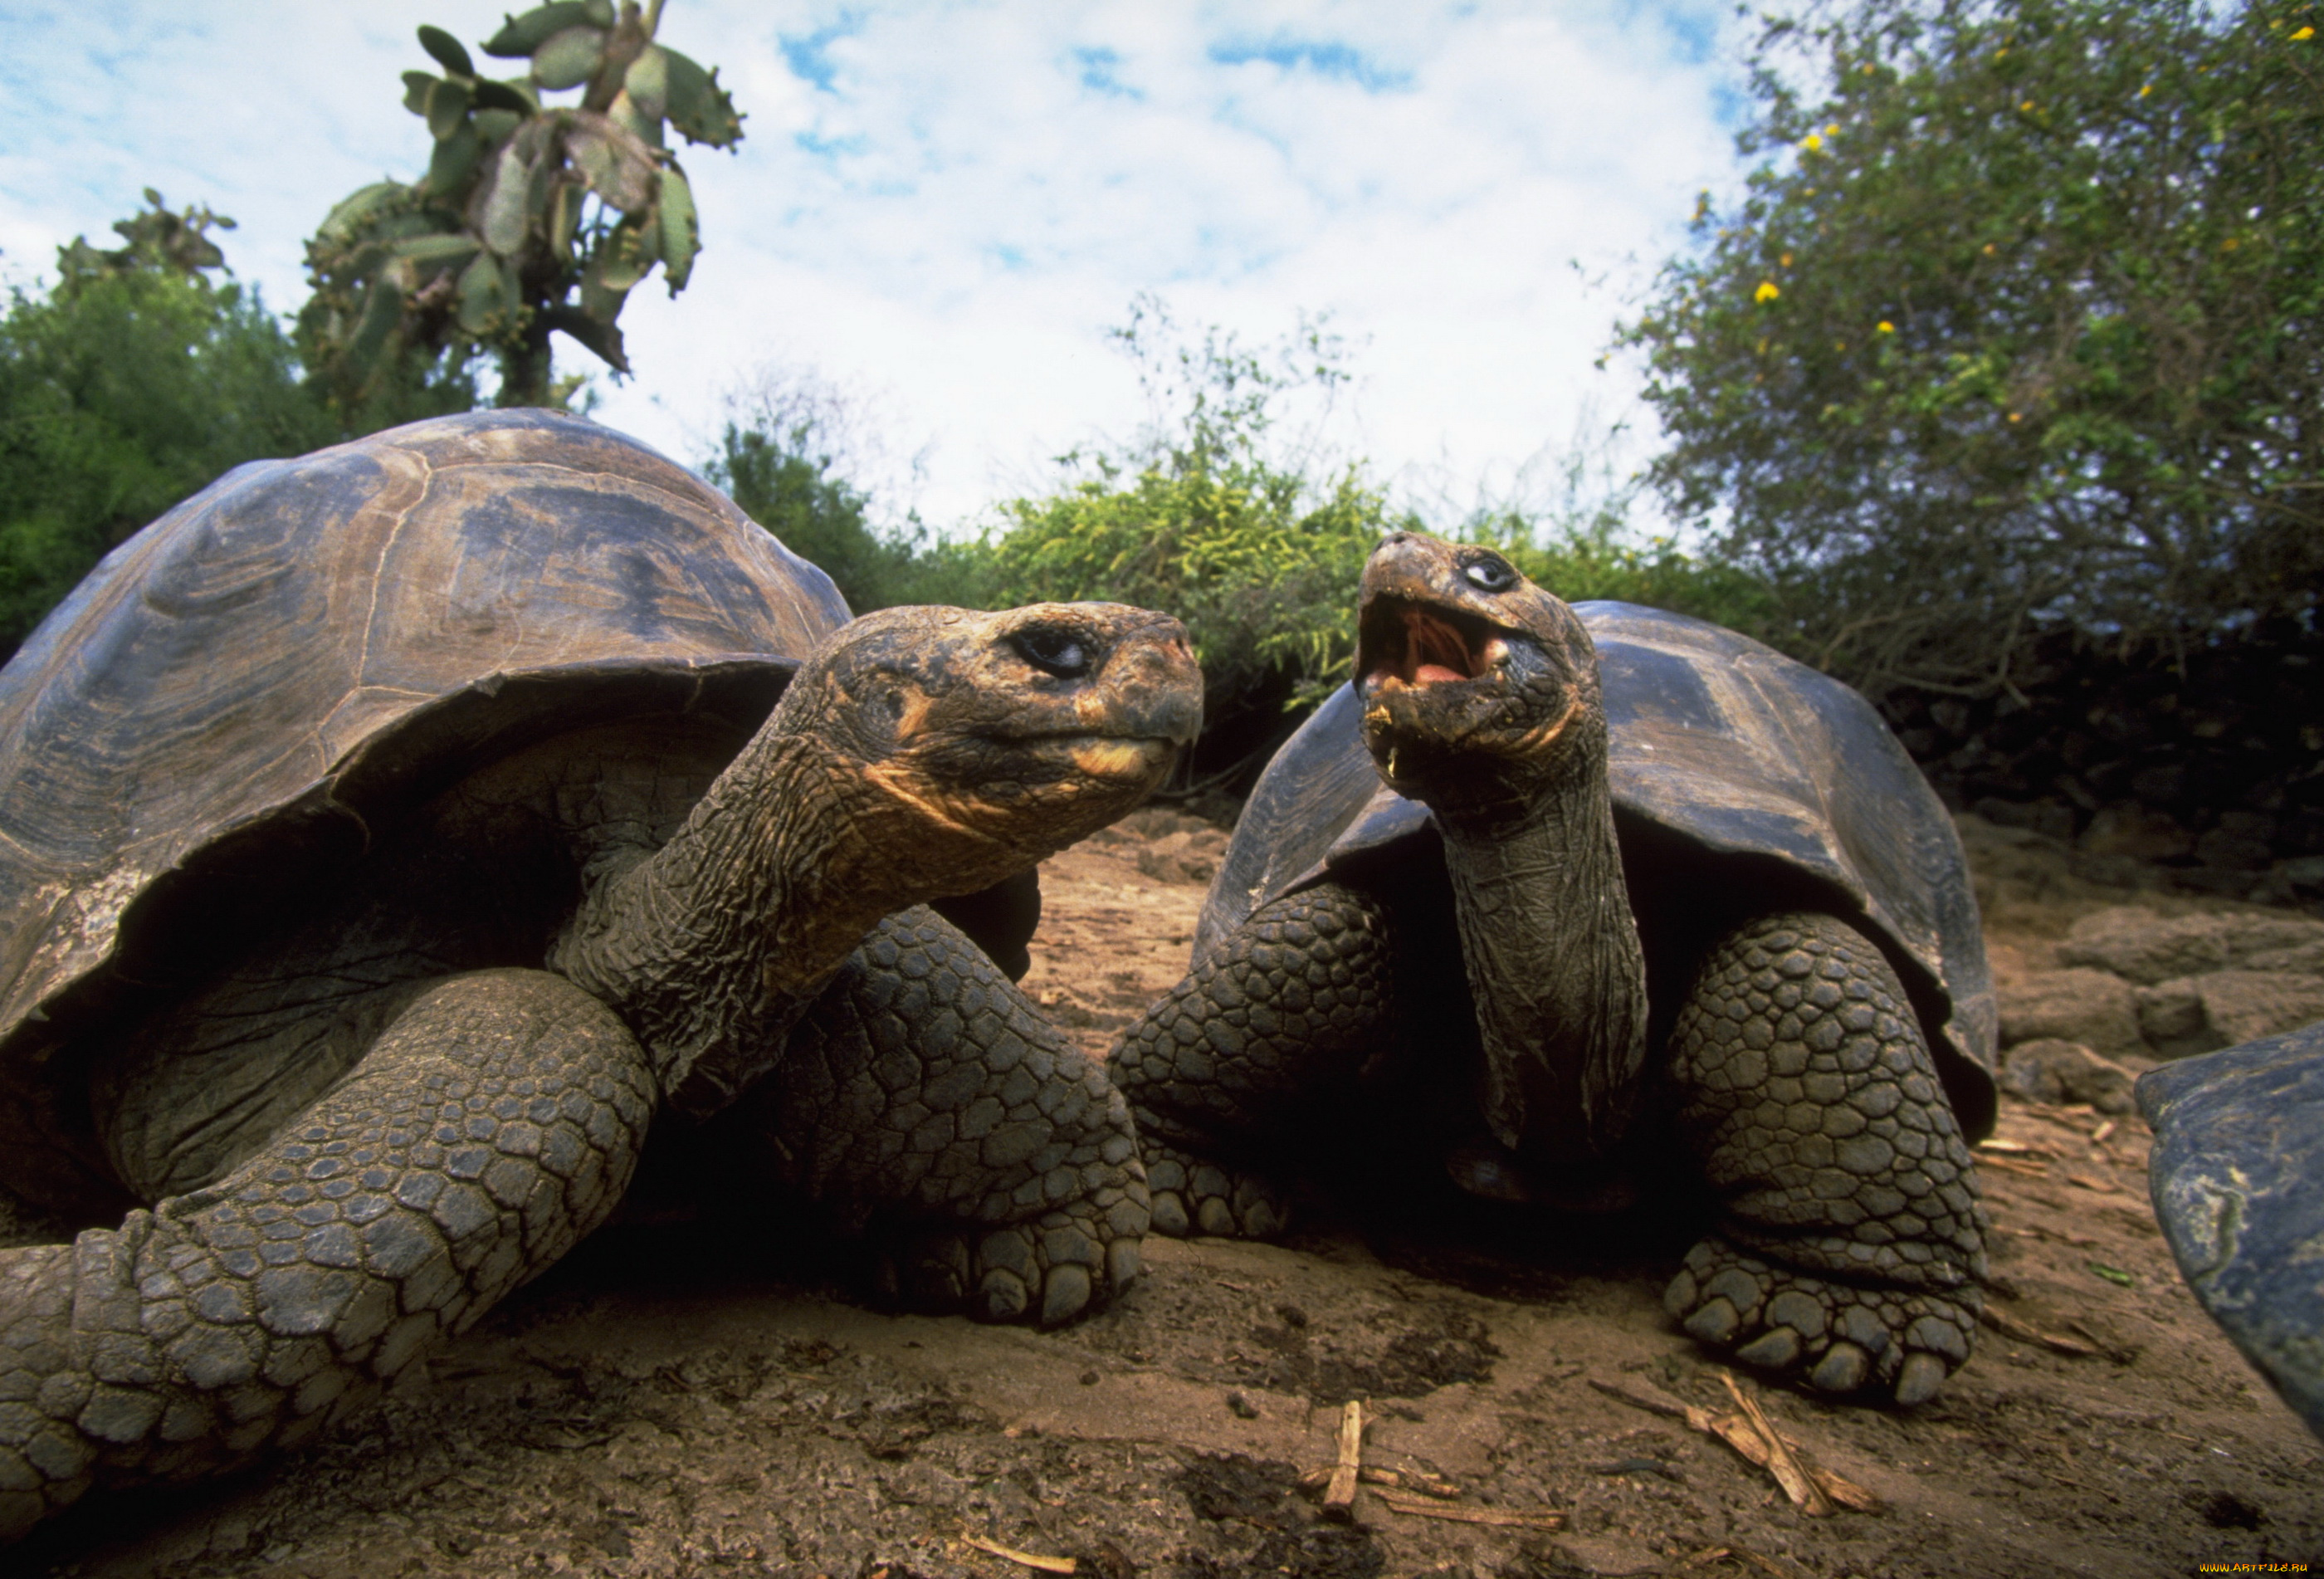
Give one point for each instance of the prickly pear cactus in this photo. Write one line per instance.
(533, 216)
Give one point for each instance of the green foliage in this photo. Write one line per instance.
(1261, 566)
(2013, 328)
(532, 217)
(1603, 559)
(793, 452)
(157, 240)
(1208, 515)
(133, 383)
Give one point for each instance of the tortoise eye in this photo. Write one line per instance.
(1054, 650)
(1489, 574)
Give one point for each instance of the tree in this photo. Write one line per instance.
(533, 217)
(2013, 330)
(789, 457)
(130, 385)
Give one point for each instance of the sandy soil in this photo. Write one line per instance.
(670, 1402)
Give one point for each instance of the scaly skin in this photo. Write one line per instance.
(494, 1124)
(1284, 1018)
(924, 1091)
(1852, 1242)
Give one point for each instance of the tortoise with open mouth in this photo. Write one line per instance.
(1576, 904)
(386, 835)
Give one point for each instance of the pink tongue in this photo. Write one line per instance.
(1430, 673)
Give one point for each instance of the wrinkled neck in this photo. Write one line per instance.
(711, 948)
(1553, 960)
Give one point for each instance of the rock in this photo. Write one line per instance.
(2171, 1018)
(2041, 817)
(2092, 1007)
(2243, 1005)
(2139, 945)
(2298, 959)
(2061, 1071)
(2232, 851)
(2135, 833)
(2238, 1180)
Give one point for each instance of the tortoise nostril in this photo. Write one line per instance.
(1056, 649)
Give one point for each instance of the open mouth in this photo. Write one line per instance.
(1421, 646)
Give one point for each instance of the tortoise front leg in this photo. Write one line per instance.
(492, 1124)
(924, 1098)
(1852, 1242)
(1252, 1050)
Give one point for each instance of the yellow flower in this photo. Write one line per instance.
(1832, 130)
(1787, 260)
(2027, 106)
(1812, 143)
(1989, 249)
(2014, 416)
(2305, 32)
(2146, 90)
(1885, 327)
(1766, 291)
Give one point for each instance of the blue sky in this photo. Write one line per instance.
(942, 208)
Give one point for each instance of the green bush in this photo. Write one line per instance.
(1603, 559)
(132, 385)
(1260, 565)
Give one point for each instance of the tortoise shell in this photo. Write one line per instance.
(239, 696)
(1743, 782)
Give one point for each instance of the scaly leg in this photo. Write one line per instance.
(1852, 1241)
(924, 1094)
(1243, 1054)
(492, 1124)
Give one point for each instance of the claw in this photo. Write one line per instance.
(1924, 1373)
(1775, 1349)
(1170, 1215)
(1002, 1296)
(1841, 1370)
(1066, 1293)
(1715, 1323)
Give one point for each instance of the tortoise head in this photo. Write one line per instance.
(1015, 733)
(1474, 681)
(1480, 698)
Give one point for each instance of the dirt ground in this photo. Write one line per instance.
(667, 1403)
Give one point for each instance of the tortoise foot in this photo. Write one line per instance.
(1835, 1337)
(1193, 1196)
(1064, 1266)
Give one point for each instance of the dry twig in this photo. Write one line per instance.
(2024, 1332)
(1740, 1433)
(1803, 1491)
(1340, 1496)
(1506, 1518)
(1028, 1559)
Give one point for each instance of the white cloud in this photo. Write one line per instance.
(953, 201)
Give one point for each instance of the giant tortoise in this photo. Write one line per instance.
(2238, 1179)
(1572, 945)
(386, 834)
